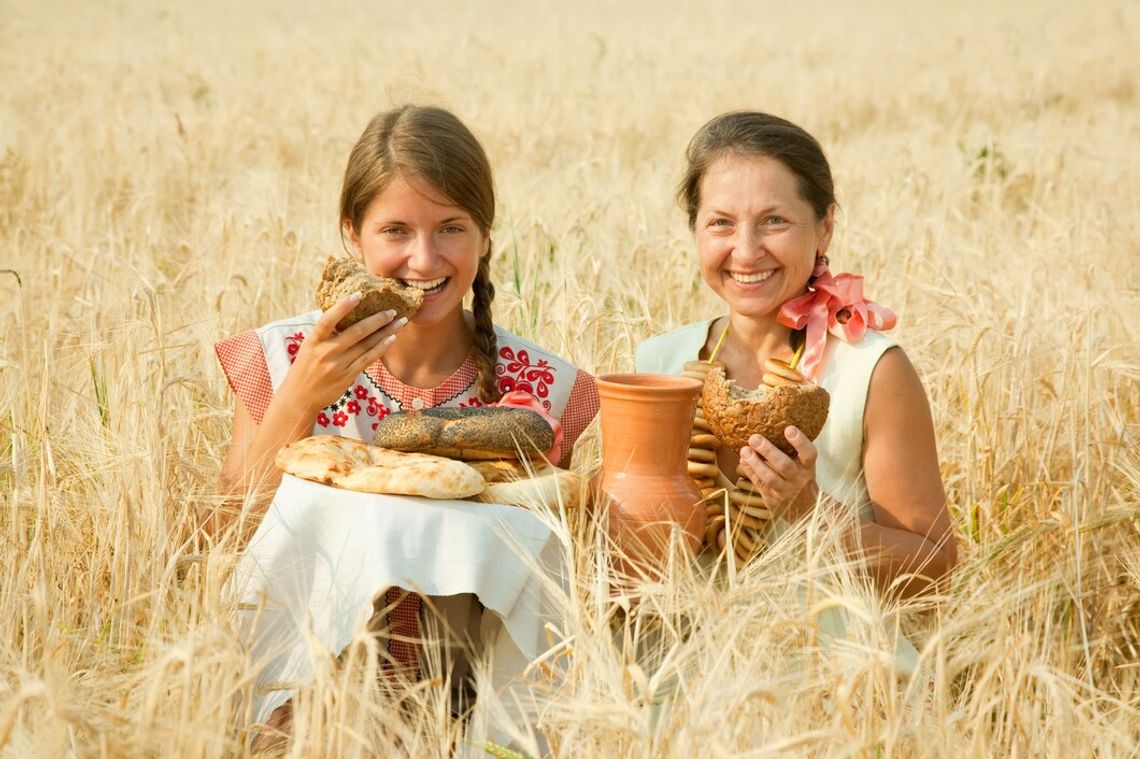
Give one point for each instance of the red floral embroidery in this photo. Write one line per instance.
(323, 419)
(374, 408)
(360, 392)
(352, 407)
(293, 344)
(518, 373)
(472, 402)
(340, 419)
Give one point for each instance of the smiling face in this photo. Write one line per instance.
(756, 236)
(410, 232)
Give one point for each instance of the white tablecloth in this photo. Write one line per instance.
(321, 555)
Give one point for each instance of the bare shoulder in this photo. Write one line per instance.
(894, 381)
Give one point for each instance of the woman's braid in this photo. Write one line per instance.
(486, 343)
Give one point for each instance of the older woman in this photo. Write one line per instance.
(761, 205)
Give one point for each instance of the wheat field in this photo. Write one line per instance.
(169, 176)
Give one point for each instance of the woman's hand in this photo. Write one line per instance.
(787, 484)
(329, 361)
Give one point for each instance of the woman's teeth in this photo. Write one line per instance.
(751, 279)
(427, 285)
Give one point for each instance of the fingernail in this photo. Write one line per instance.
(755, 440)
(389, 339)
(391, 313)
(355, 297)
(791, 432)
(401, 322)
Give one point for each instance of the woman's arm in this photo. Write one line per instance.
(326, 364)
(911, 534)
(911, 538)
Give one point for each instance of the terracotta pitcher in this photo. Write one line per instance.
(647, 420)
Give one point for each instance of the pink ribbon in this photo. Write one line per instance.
(523, 399)
(834, 304)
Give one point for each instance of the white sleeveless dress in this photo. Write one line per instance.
(846, 376)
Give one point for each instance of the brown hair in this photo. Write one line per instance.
(751, 133)
(433, 145)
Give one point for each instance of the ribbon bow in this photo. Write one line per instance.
(834, 304)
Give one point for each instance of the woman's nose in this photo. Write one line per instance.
(750, 242)
(422, 256)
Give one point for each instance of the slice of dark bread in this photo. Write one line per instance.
(345, 276)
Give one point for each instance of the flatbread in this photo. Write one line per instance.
(547, 488)
(352, 464)
(499, 471)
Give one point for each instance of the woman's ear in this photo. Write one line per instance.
(354, 241)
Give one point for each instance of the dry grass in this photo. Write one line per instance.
(168, 177)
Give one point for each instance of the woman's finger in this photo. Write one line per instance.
(757, 470)
(805, 448)
(375, 346)
(326, 323)
(780, 462)
(368, 326)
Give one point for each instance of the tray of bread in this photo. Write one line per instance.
(478, 454)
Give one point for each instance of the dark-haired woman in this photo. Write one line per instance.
(760, 202)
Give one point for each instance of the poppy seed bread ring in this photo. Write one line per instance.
(482, 432)
(735, 414)
(345, 276)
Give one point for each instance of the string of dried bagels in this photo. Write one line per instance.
(736, 517)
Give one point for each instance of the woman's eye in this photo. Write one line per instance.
(720, 223)
(775, 221)
(392, 231)
(452, 229)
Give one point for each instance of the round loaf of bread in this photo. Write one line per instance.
(345, 276)
(735, 414)
(470, 434)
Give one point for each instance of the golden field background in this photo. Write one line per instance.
(169, 177)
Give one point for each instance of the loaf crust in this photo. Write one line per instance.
(734, 414)
(345, 276)
(483, 432)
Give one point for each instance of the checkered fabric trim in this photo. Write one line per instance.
(243, 360)
(581, 408)
(404, 609)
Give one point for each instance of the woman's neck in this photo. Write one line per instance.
(425, 356)
(748, 344)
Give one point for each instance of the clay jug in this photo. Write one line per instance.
(647, 420)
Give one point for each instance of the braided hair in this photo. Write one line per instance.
(486, 343)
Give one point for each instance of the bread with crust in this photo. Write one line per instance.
(735, 414)
(345, 276)
(547, 488)
(481, 432)
(352, 464)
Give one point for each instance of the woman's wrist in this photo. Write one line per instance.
(292, 404)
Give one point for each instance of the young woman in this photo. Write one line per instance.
(418, 205)
(761, 205)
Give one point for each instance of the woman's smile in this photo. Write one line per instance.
(751, 279)
(429, 287)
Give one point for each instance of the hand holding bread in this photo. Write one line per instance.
(362, 316)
